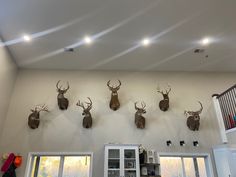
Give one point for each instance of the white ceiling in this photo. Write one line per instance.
(118, 26)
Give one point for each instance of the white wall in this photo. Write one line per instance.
(62, 130)
(8, 72)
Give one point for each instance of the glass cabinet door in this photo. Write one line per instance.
(130, 163)
(114, 163)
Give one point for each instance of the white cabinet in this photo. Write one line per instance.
(121, 161)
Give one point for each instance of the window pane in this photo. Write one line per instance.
(171, 167)
(113, 173)
(130, 173)
(113, 161)
(114, 154)
(189, 167)
(113, 164)
(76, 166)
(48, 166)
(129, 153)
(202, 167)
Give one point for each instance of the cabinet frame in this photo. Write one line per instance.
(122, 148)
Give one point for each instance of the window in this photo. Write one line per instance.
(59, 165)
(185, 166)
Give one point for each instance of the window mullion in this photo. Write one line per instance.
(196, 167)
(32, 165)
(36, 168)
(60, 173)
(183, 167)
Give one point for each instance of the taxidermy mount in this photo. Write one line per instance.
(61, 100)
(34, 117)
(139, 119)
(164, 104)
(193, 120)
(87, 121)
(114, 102)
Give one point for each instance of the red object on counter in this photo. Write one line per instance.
(18, 161)
(8, 162)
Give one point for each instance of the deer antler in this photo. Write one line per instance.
(118, 87)
(44, 108)
(59, 87)
(89, 104)
(108, 84)
(194, 112)
(135, 105)
(159, 90)
(200, 111)
(162, 92)
(167, 92)
(112, 87)
(80, 104)
(36, 108)
(143, 104)
(68, 86)
(40, 108)
(189, 112)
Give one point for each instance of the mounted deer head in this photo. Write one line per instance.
(34, 117)
(193, 121)
(114, 102)
(61, 100)
(164, 104)
(139, 119)
(87, 121)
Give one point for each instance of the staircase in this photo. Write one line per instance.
(225, 107)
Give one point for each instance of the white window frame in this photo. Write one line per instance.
(206, 156)
(29, 164)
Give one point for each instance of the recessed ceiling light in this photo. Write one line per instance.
(26, 38)
(88, 40)
(146, 42)
(206, 41)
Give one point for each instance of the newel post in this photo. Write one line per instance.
(219, 118)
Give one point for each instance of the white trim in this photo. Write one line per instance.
(230, 130)
(28, 165)
(180, 154)
(61, 166)
(220, 119)
(31, 154)
(206, 156)
(59, 153)
(114, 144)
(183, 167)
(226, 146)
(91, 165)
(209, 167)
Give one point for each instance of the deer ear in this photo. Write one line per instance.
(31, 110)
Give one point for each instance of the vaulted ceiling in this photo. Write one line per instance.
(175, 28)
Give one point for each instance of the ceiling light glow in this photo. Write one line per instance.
(26, 38)
(206, 41)
(146, 42)
(88, 40)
